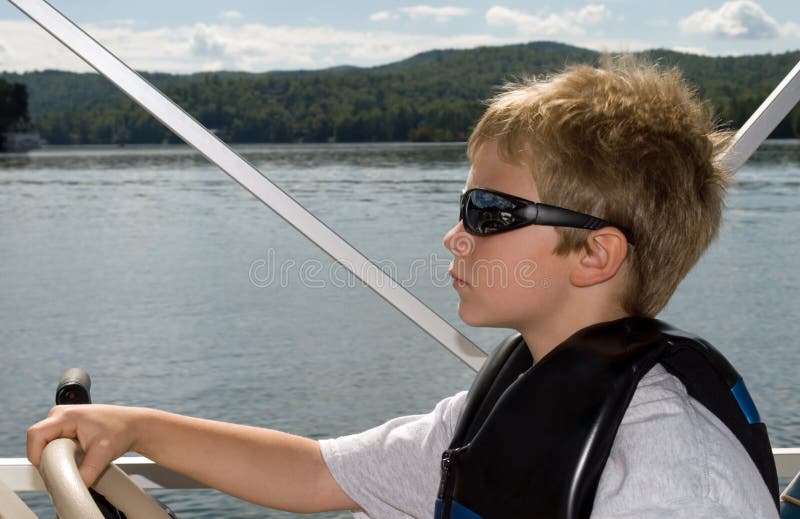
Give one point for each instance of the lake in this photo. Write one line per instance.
(175, 289)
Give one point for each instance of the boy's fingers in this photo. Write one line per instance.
(35, 445)
(42, 433)
(96, 438)
(95, 460)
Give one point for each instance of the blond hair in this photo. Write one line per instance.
(630, 143)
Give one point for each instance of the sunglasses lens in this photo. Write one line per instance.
(487, 213)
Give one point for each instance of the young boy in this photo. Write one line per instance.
(631, 154)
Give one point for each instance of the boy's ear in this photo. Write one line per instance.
(601, 257)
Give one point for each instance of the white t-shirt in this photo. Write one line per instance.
(671, 459)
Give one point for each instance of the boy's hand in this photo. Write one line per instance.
(269, 468)
(104, 433)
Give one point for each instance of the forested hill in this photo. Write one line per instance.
(437, 95)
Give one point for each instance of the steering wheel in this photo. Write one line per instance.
(71, 498)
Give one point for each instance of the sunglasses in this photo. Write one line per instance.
(486, 212)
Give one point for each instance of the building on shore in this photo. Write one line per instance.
(20, 139)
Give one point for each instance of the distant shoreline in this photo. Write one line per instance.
(352, 145)
(435, 96)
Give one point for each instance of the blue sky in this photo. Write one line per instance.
(183, 36)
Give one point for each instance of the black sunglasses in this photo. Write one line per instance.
(485, 212)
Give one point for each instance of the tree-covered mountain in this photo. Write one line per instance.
(13, 107)
(13, 104)
(436, 95)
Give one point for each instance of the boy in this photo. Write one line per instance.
(630, 153)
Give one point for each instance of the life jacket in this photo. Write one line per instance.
(534, 438)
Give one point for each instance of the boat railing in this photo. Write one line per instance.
(19, 475)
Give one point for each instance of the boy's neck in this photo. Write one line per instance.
(543, 339)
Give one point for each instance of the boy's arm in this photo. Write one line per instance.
(269, 468)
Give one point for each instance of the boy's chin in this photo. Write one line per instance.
(478, 319)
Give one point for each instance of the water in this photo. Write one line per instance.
(176, 289)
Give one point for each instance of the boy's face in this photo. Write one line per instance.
(512, 279)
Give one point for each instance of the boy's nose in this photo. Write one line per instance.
(458, 241)
(447, 238)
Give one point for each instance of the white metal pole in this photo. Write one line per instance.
(216, 151)
(758, 127)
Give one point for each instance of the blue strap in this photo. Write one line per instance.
(745, 402)
(457, 511)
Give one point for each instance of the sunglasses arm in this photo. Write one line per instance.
(560, 217)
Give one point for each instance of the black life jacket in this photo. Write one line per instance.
(534, 439)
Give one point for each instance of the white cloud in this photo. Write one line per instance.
(231, 16)
(591, 14)
(554, 24)
(440, 14)
(249, 47)
(740, 19)
(416, 12)
(791, 29)
(205, 43)
(27, 47)
(382, 16)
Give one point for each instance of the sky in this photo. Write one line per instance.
(180, 36)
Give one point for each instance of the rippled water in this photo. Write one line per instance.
(176, 289)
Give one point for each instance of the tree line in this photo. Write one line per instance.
(433, 96)
(13, 107)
